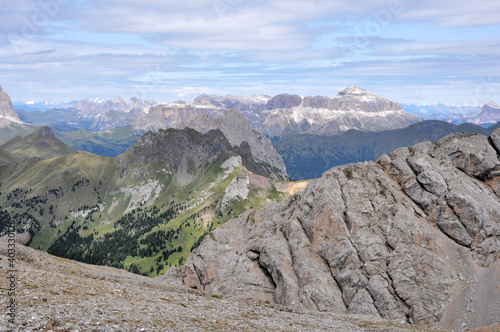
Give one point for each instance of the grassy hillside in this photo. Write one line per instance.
(128, 212)
(40, 143)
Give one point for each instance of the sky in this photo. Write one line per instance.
(409, 51)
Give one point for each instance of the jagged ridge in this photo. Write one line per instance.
(414, 236)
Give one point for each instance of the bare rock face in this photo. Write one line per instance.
(414, 236)
(356, 98)
(8, 116)
(284, 101)
(6, 109)
(237, 129)
(489, 114)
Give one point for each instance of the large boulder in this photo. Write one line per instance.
(414, 236)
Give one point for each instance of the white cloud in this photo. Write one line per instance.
(233, 46)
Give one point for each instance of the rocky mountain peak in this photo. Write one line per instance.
(45, 131)
(207, 100)
(119, 100)
(6, 109)
(488, 115)
(284, 101)
(237, 130)
(358, 99)
(354, 91)
(492, 104)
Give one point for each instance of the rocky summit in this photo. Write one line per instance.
(8, 116)
(6, 109)
(488, 115)
(414, 236)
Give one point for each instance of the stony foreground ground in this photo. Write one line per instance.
(55, 294)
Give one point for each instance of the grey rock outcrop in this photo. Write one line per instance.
(488, 115)
(284, 101)
(6, 109)
(414, 236)
(351, 108)
(237, 130)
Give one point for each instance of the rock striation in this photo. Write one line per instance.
(414, 236)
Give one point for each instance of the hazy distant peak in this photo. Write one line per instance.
(353, 91)
(6, 108)
(492, 104)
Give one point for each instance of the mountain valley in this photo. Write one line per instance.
(147, 207)
(399, 226)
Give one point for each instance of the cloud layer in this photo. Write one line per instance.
(407, 50)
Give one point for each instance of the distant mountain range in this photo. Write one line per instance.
(352, 108)
(484, 116)
(284, 114)
(35, 105)
(89, 115)
(289, 117)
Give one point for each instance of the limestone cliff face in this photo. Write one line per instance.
(6, 109)
(414, 236)
(351, 108)
(489, 114)
(237, 129)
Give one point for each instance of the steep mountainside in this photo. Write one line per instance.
(143, 210)
(10, 124)
(414, 236)
(6, 110)
(235, 127)
(488, 115)
(308, 156)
